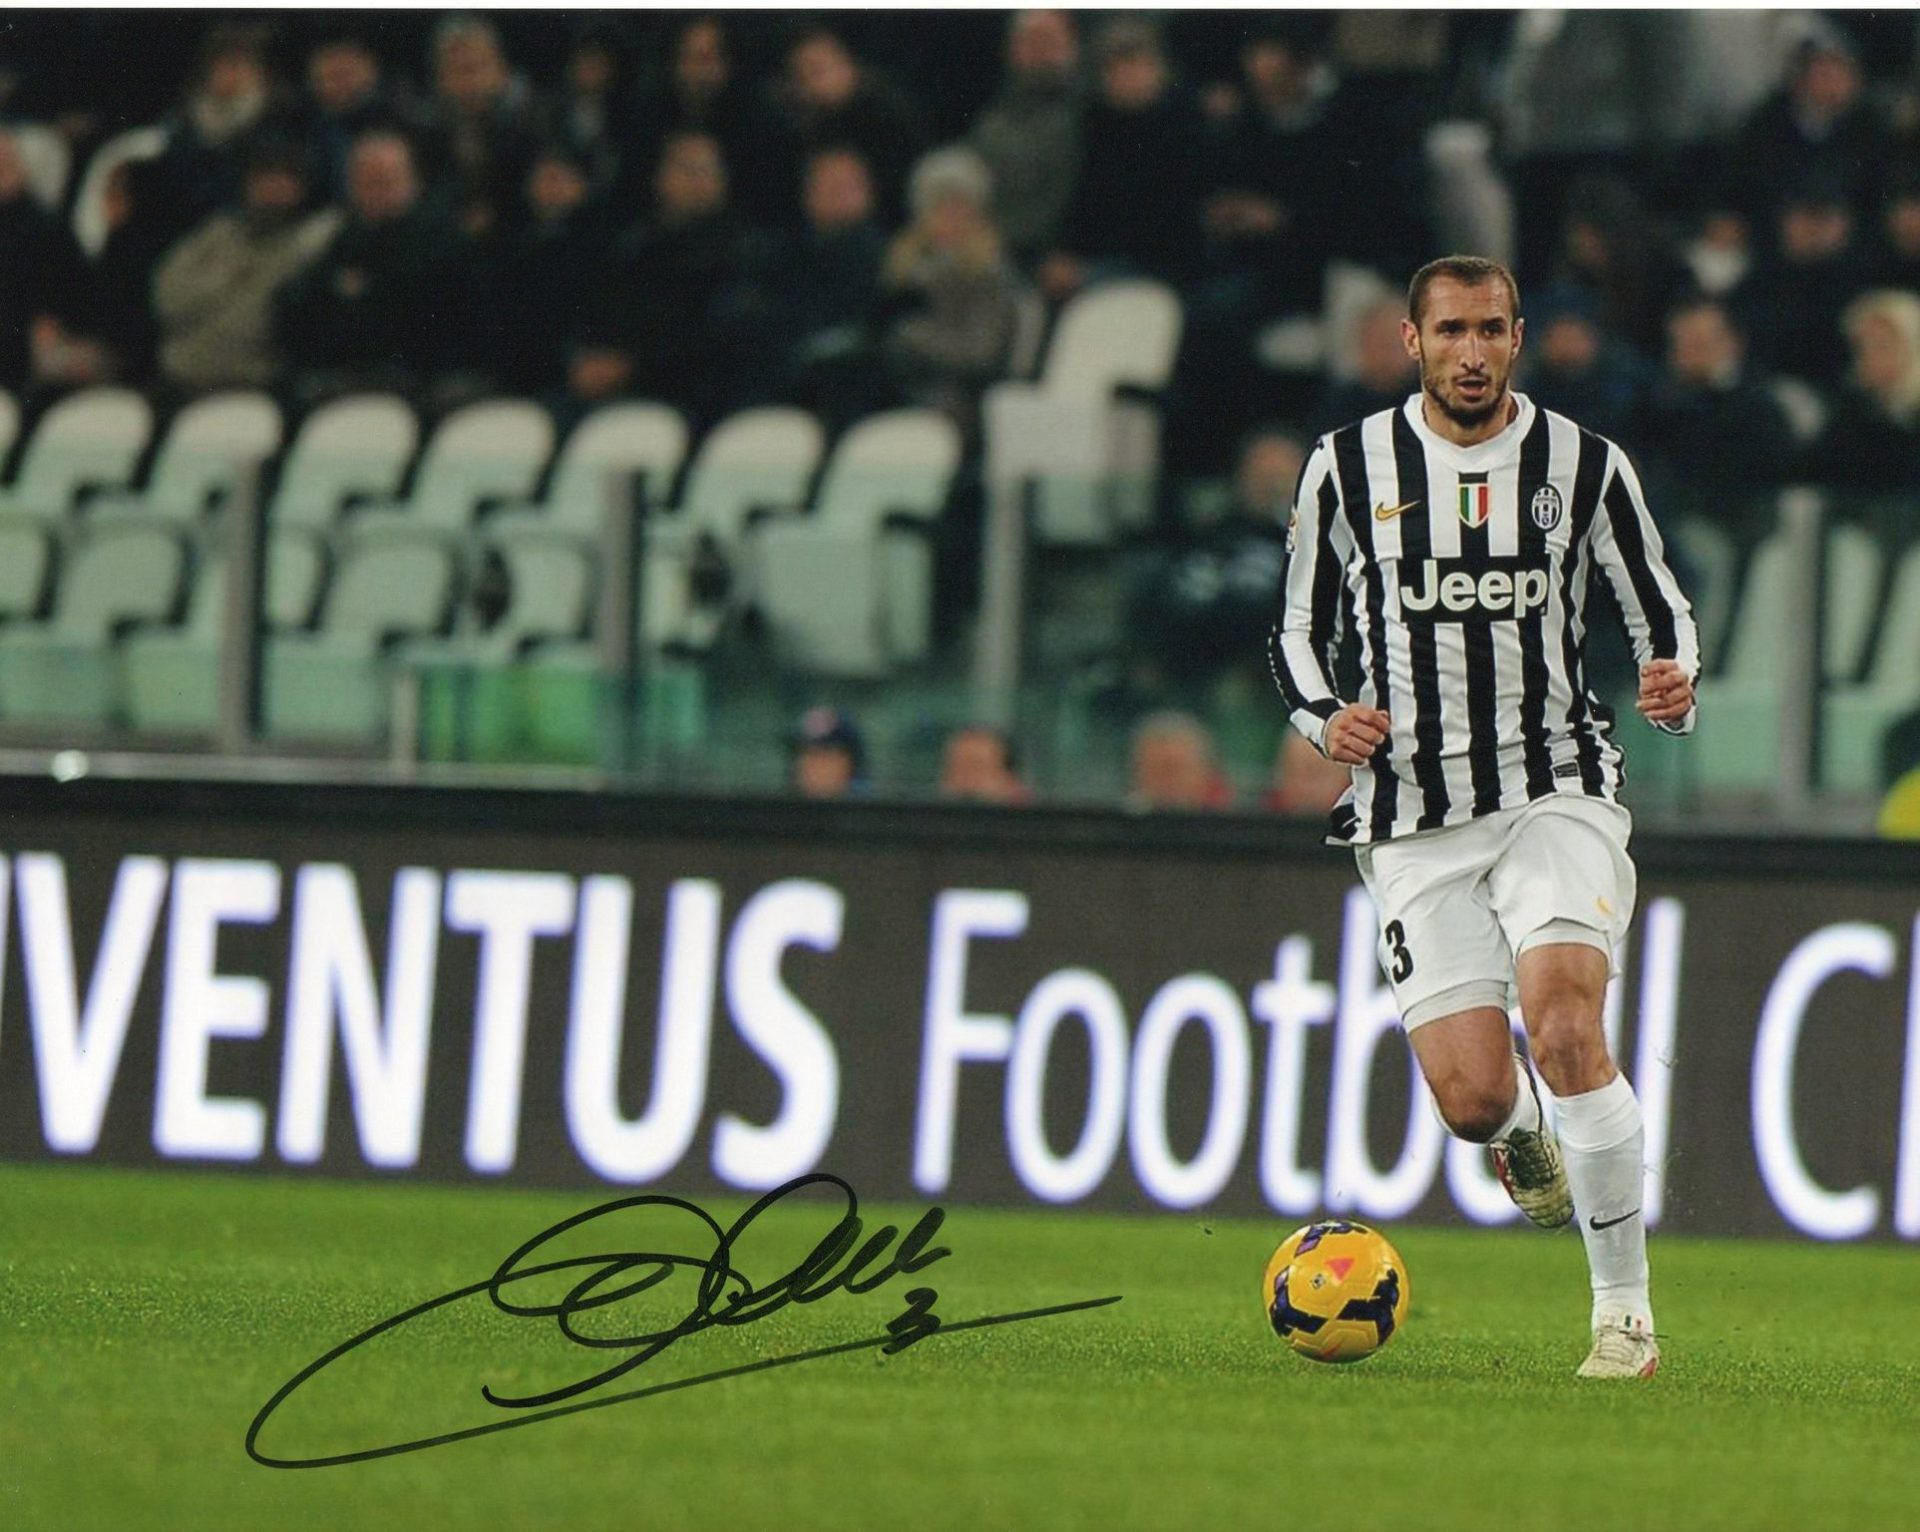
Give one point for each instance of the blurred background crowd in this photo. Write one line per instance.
(1714, 217)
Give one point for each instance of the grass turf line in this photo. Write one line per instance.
(147, 1316)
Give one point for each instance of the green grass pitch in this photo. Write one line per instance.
(147, 1316)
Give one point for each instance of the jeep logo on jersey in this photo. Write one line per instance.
(1444, 590)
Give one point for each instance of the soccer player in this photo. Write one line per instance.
(1457, 537)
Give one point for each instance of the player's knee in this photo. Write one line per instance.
(1568, 1043)
(1474, 1109)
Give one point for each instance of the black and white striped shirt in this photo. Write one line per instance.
(1463, 573)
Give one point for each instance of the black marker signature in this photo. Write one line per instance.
(726, 1297)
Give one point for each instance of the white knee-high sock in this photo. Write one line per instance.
(1603, 1142)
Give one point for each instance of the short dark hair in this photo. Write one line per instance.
(1471, 270)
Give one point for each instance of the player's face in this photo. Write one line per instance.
(1466, 345)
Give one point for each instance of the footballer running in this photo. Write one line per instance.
(1457, 539)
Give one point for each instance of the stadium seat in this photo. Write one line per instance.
(1855, 718)
(170, 677)
(90, 228)
(92, 439)
(209, 442)
(350, 449)
(1716, 562)
(45, 157)
(26, 557)
(492, 451)
(847, 590)
(60, 670)
(648, 440)
(759, 458)
(1093, 453)
(1736, 737)
(550, 588)
(332, 683)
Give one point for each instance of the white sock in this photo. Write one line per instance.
(1525, 1116)
(1603, 1142)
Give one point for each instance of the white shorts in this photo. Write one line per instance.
(1459, 905)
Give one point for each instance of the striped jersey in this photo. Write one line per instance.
(1463, 575)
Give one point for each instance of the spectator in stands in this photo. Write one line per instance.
(548, 265)
(1029, 134)
(378, 308)
(1135, 207)
(826, 756)
(1896, 263)
(43, 289)
(1306, 784)
(659, 322)
(1871, 443)
(480, 132)
(199, 173)
(1584, 93)
(1716, 444)
(1172, 766)
(593, 114)
(1792, 302)
(1720, 253)
(832, 98)
(1204, 606)
(981, 764)
(704, 92)
(214, 292)
(1820, 126)
(347, 95)
(816, 298)
(1572, 365)
(1614, 248)
(1383, 372)
(1283, 169)
(950, 261)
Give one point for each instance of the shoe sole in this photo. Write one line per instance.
(1557, 1219)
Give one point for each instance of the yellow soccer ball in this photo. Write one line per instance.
(1335, 1291)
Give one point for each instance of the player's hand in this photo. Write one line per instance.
(1666, 692)
(1354, 733)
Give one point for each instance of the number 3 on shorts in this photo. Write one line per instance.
(1396, 935)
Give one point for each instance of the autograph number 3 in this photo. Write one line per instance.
(840, 1261)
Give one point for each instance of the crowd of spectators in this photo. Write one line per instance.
(716, 210)
(1715, 219)
(1173, 765)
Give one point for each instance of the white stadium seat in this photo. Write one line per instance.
(60, 671)
(495, 450)
(1856, 718)
(170, 677)
(647, 440)
(91, 439)
(1736, 737)
(333, 683)
(90, 202)
(352, 448)
(1093, 455)
(208, 444)
(847, 589)
(758, 459)
(26, 555)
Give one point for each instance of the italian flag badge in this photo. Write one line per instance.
(1476, 504)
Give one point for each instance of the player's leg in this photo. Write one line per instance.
(1451, 968)
(1567, 876)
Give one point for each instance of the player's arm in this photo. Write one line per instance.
(1301, 647)
(1659, 617)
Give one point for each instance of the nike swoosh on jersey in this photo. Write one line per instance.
(1388, 512)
